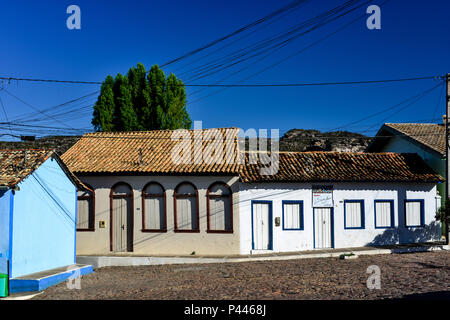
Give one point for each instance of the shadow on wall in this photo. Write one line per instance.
(402, 235)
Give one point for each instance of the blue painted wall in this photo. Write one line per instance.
(44, 221)
(5, 201)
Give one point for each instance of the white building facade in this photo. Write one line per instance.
(141, 202)
(282, 217)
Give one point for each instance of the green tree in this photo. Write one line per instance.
(443, 215)
(104, 107)
(141, 101)
(125, 116)
(140, 95)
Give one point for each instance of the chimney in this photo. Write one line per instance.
(140, 157)
(24, 159)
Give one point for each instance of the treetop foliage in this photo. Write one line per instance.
(141, 101)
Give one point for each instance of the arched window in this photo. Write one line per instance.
(219, 208)
(121, 217)
(86, 210)
(154, 208)
(186, 215)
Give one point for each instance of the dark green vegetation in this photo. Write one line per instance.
(140, 101)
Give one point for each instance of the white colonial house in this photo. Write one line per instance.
(144, 201)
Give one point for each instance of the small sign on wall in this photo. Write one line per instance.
(322, 196)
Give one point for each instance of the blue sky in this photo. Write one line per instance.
(116, 35)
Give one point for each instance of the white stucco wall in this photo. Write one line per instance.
(289, 240)
(436, 162)
(240, 241)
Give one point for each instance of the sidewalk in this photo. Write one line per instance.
(131, 259)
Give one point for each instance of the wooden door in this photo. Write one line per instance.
(262, 225)
(323, 228)
(122, 224)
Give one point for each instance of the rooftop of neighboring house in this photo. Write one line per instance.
(18, 164)
(58, 143)
(145, 152)
(333, 166)
(430, 136)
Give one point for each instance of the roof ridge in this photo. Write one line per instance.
(151, 131)
(421, 123)
(28, 149)
(328, 152)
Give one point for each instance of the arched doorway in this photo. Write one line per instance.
(121, 215)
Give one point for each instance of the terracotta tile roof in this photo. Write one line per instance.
(431, 135)
(151, 152)
(148, 152)
(342, 166)
(13, 169)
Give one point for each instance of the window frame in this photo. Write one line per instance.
(392, 214)
(178, 196)
(422, 212)
(92, 208)
(363, 225)
(144, 196)
(302, 225)
(208, 212)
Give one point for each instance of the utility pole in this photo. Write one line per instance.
(447, 149)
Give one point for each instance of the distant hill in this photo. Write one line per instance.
(292, 140)
(301, 140)
(60, 143)
(315, 140)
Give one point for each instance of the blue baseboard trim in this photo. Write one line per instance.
(30, 285)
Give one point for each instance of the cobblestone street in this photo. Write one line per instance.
(402, 275)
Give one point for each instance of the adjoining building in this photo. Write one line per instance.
(38, 208)
(425, 139)
(146, 202)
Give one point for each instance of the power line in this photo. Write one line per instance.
(34, 108)
(439, 100)
(265, 85)
(315, 83)
(240, 30)
(417, 96)
(57, 108)
(123, 135)
(221, 48)
(61, 115)
(294, 4)
(38, 126)
(4, 112)
(281, 40)
(49, 80)
(24, 126)
(290, 56)
(425, 93)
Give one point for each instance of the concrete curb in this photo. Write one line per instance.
(109, 261)
(27, 296)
